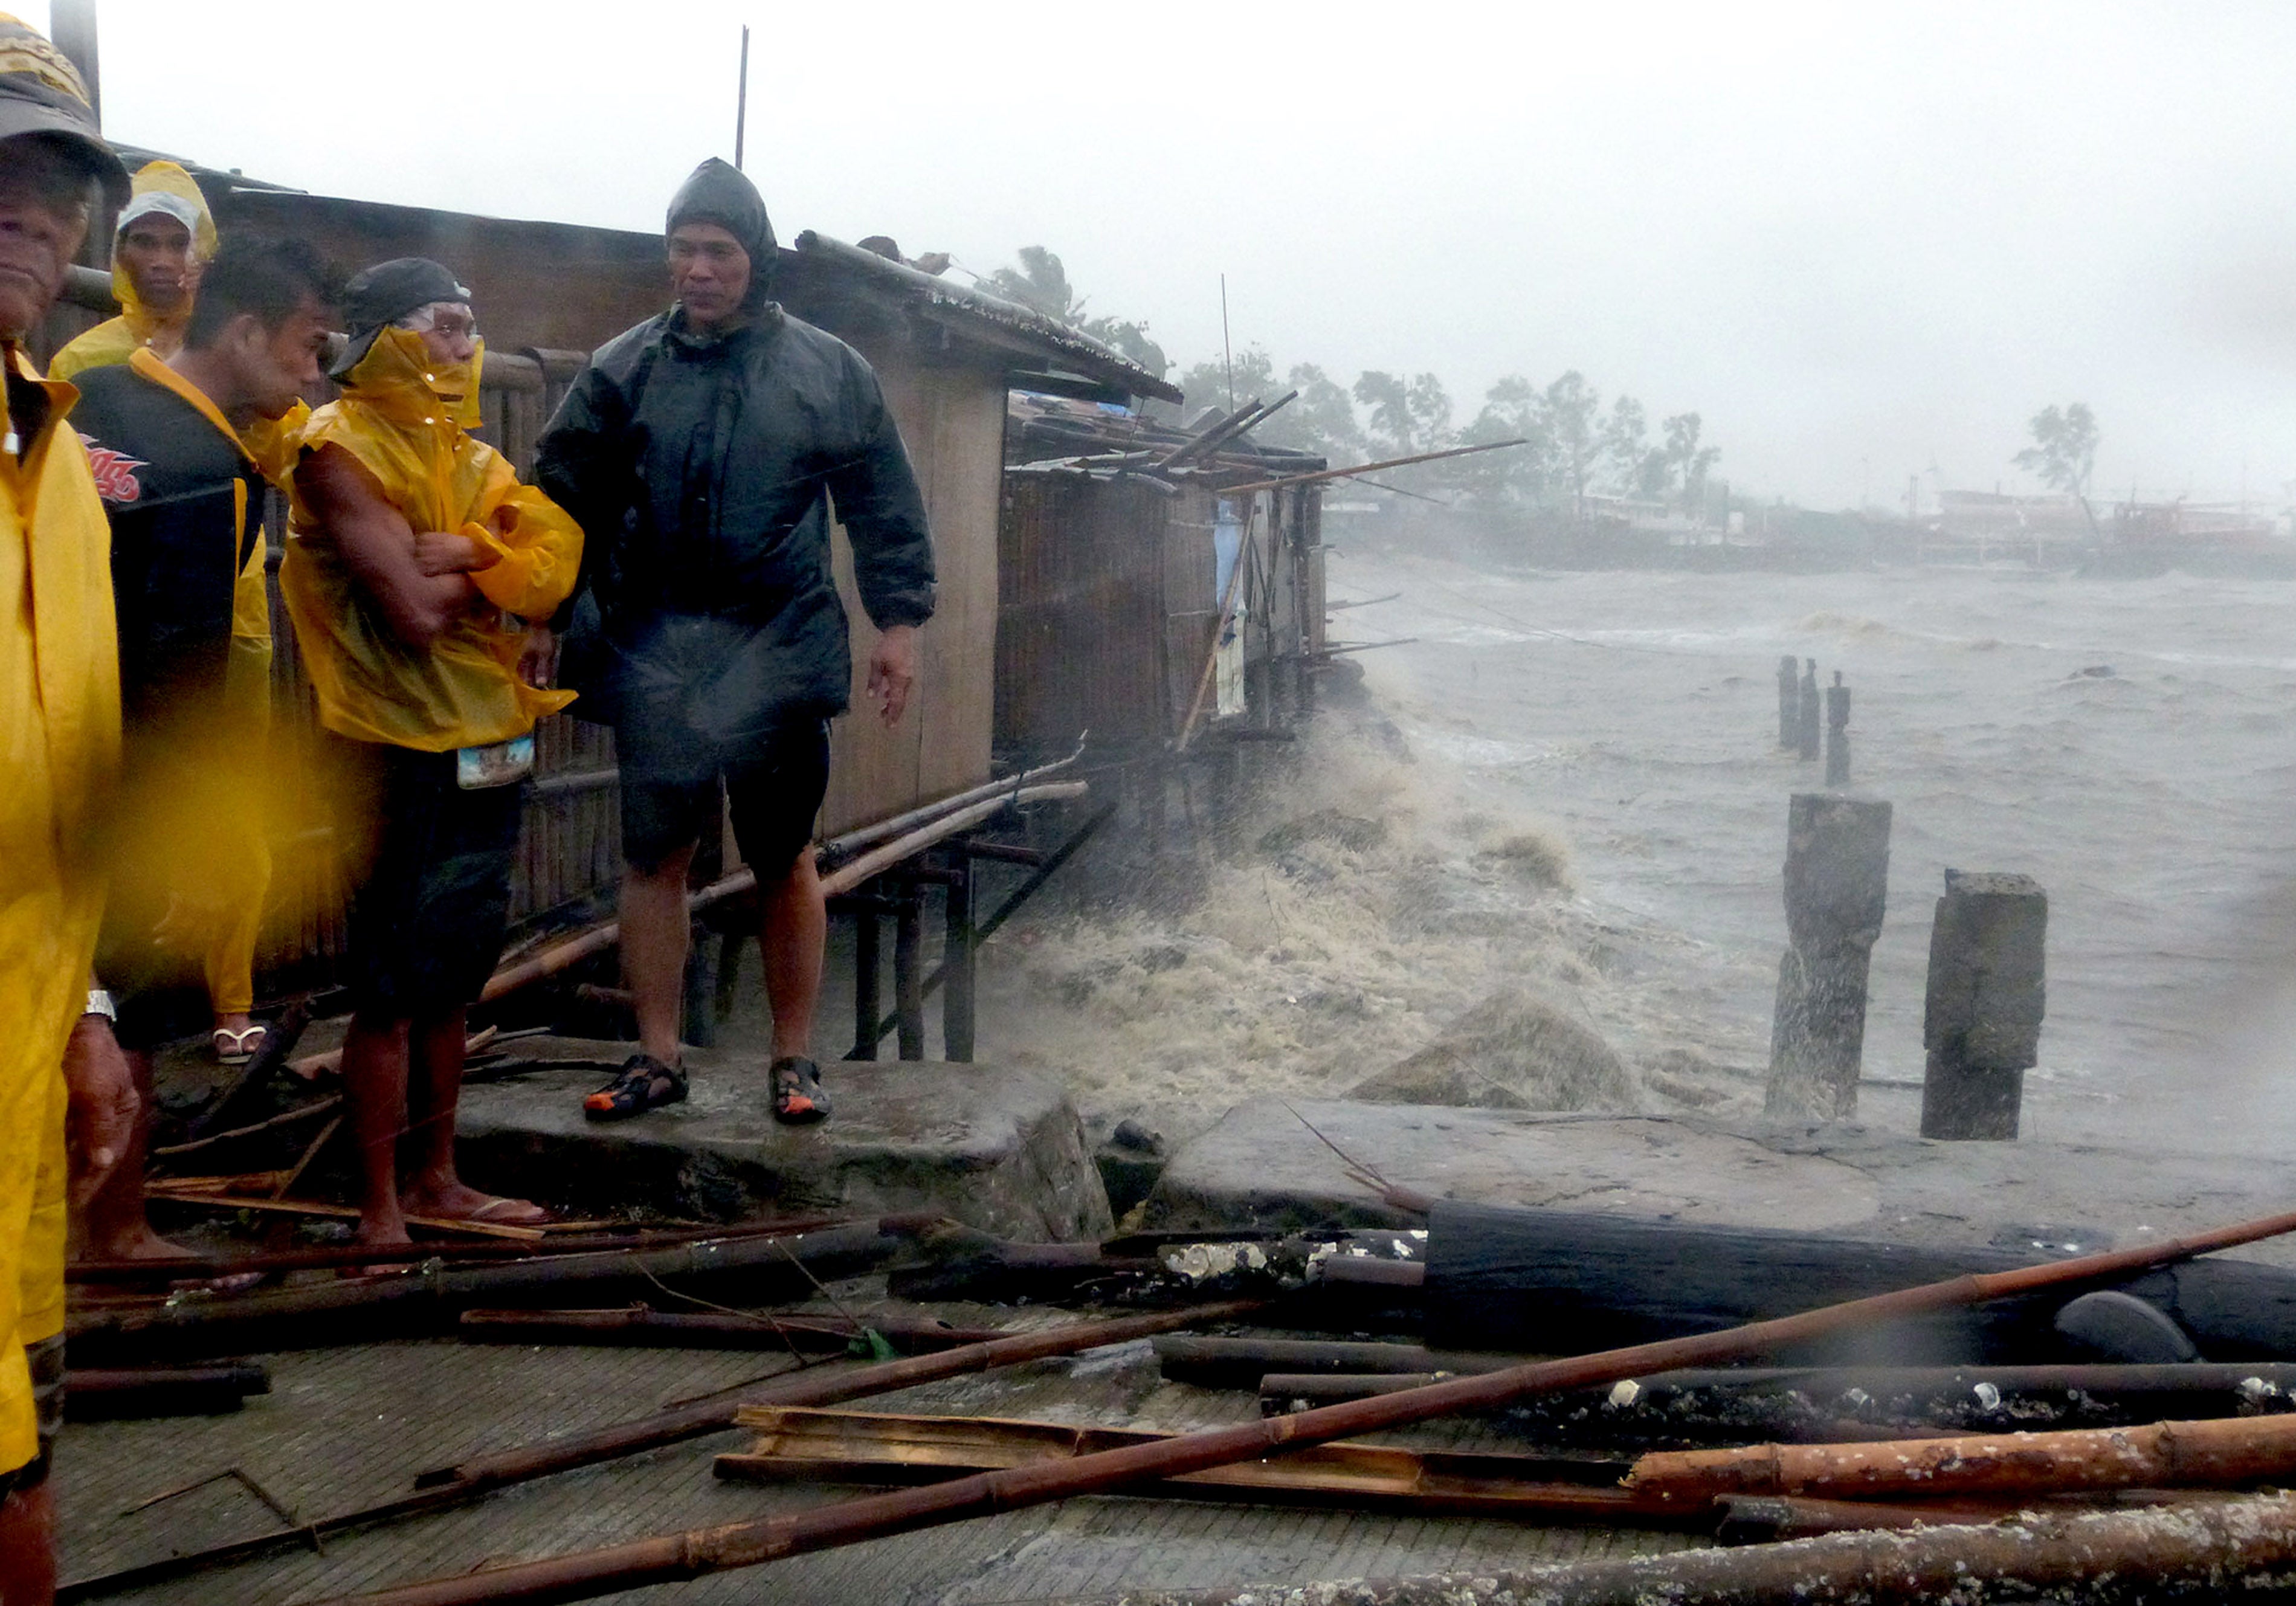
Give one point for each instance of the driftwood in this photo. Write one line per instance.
(2221, 1454)
(857, 1447)
(442, 1489)
(2199, 1551)
(1564, 1283)
(697, 1552)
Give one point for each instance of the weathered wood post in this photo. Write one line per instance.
(908, 971)
(956, 995)
(1806, 727)
(1988, 993)
(1836, 886)
(1837, 733)
(1788, 701)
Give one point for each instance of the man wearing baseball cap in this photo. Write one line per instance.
(60, 1068)
(414, 560)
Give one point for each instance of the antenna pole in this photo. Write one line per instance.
(1227, 350)
(742, 101)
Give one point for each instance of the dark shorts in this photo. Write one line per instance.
(774, 793)
(428, 866)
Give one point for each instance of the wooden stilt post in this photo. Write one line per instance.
(1836, 886)
(956, 999)
(1987, 992)
(868, 972)
(1788, 701)
(1837, 733)
(1807, 714)
(908, 972)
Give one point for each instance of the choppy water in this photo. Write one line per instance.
(1637, 712)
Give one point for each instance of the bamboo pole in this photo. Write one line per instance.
(1368, 468)
(698, 1552)
(445, 1488)
(2210, 1548)
(551, 961)
(2215, 1454)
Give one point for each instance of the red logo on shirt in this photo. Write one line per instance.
(115, 471)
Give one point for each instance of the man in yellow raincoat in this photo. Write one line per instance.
(161, 246)
(59, 743)
(165, 236)
(414, 561)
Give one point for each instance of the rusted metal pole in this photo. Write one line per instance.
(698, 1552)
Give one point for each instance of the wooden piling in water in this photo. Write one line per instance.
(1806, 715)
(1789, 701)
(1837, 733)
(1987, 995)
(1836, 884)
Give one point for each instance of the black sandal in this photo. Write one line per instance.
(797, 1098)
(645, 1084)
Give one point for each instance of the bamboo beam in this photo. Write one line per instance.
(2216, 1453)
(700, 1552)
(2213, 1548)
(1367, 468)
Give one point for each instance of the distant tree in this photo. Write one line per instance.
(1206, 383)
(1520, 476)
(1626, 444)
(1572, 407)
(2064, 448)
(1041, 283)
(1323, 421)
(1686, 461)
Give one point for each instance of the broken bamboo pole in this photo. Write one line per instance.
(643, 1325)
(943, 825)
(698, 1552)
(2221, 1453)
(329, 1256)
(1219, 627)
(797, 1445)
(2211, 1547)
(1368, 468)
(443, 1488)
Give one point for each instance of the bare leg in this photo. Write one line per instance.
(433, 1090)
(656, 930)
(113, 1224)
(793, 931)
(374, 1081)
(27, 1547)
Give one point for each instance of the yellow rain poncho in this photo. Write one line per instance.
(405, 420)
(162, 186)
(59, 750)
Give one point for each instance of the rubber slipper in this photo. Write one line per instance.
(238, 1046)
(644, 1084)
(797, 1098)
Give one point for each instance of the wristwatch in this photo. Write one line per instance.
(99, 1003)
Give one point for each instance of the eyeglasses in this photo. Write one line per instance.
(455, 319)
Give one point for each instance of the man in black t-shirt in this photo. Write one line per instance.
(183, 493)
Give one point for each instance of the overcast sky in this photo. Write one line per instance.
(1861, 240)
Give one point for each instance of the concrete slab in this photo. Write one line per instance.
(1261, 1164)
(996, 1148)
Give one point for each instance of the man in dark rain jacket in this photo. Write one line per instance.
(699, 453)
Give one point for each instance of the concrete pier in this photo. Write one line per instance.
(995, 1149)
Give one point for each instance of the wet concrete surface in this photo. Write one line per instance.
(997, 1149)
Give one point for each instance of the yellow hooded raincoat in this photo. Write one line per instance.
(60, 751)
(405, 420)
(137, 326)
